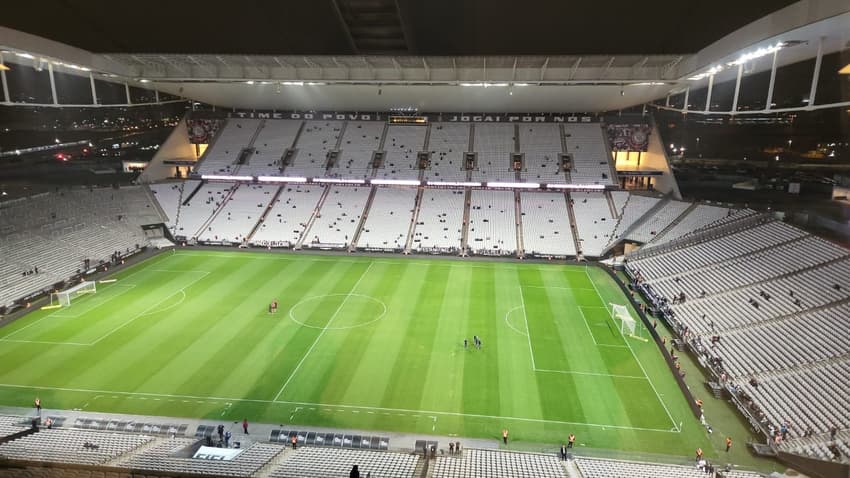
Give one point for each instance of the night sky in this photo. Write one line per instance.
(432, 27)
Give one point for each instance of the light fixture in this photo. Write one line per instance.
(249, 82)
(845, 70)
(144, 80)
(4, 67)
(25, 55)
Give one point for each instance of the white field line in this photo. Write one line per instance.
(126, 287)
(592, 374)
(58, 314)
(587, 326)
(527, 329)
(657, 395)
(45, 342)
(149, 309)
(322, 333)
(330, 405)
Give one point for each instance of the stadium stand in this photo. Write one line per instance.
(199, 209)
(447, 143)
(596, 468)
(475, 463)
(402, 144)
(494, 144)
(634, 208)
(313, 462)
(56, 231)
(287, 218)
(239, 213)
(337, 220)
(649, 227)
(593, 221)
(72, 446)
(388, 220)
(274, 137)
(170, 196)
(541, 147)
(317, 138)
(359, 141)
(546, 225)
(698, 217)
(165, 457)
(586, 144)
(492, 223)
(439, 226)
(224, 152)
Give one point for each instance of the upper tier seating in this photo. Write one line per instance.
(402, 144)
(389, 219)
(359, 141)
(440, 222)
(223, 153)
(593, 221)
(316, 139)
(310, 462)
(494, 144)
(241, 211)
(338, 218)
(274, 138)
(492, 223)
(546, 225)
(591, 163)
(541, 145)
(289, 215)
(448, 142)
(492, 463)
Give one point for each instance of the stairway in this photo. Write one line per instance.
(464, 241)
(615, 214)
(192, 194)
(250, 146)
(217, 211)
(413, 220)
(291, 147)
(312, 219)
(159, 212)
(573, 225)
(353, 246)
(520, 247)
(262, 218)
(673, 224)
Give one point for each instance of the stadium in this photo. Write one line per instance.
(425, 239)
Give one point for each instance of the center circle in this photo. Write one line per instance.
(374, 310)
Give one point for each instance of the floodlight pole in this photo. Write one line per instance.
(52, 83)
(772, 82)
(687, 93)
(737, 88)
(816, 74)
(127, 92)
(3, 80)
(93, 89)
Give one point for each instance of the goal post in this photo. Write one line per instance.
(627, 322)
(64, 298)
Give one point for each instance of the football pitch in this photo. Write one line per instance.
(357, 342)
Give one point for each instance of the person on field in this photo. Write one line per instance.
(221, 432)
(564, 452)
(294, 441)
(465, 343)
(505, 436)
(245, 426)
(227, 436)
(37, 404)
(728, 444)
(571, 441)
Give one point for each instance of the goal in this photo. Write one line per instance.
(65, 297)
(627, 322)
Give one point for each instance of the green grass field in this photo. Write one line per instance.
(367, 343)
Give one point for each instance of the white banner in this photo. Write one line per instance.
(218, 454)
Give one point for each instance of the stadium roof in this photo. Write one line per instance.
(415, 27)
(140, 50)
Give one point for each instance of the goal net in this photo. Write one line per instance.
(627, 322)
(65, 297)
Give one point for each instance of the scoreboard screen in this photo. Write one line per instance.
(413, 120)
